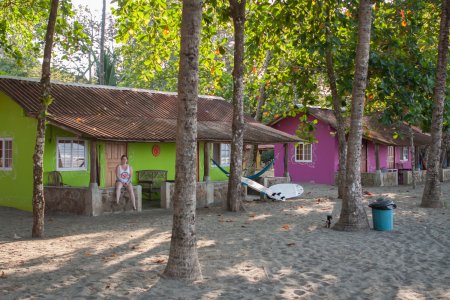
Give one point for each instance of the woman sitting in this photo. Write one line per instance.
(123, 179)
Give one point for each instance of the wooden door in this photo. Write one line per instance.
(113, 153)
(364, 156)
(390, 158)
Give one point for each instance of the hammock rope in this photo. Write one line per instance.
(252, 177)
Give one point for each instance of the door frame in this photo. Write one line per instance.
(106, 158)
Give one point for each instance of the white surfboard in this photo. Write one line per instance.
(289, 190)
(260, 188)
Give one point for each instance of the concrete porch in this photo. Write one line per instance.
(89, 201)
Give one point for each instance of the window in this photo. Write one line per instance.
(71, 154)
(6, 154)
(303, 152)
(222, 154)
(405, 153)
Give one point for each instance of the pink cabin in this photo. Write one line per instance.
(319, 162)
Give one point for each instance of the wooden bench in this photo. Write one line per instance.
(151, 180)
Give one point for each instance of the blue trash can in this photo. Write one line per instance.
(383, 214)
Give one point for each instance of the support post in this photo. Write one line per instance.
(93, 179)
(377, 156)
(378, 175)
(206, 162)
(286, 160)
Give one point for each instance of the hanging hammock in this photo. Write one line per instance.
(252, 177)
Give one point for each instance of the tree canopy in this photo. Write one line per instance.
(143, 48)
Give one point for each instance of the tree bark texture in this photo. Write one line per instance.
(432, 191)
(340, 128)
(38, 157)
(101, 63)
(183, 258)
(353, 216)
(234, 202)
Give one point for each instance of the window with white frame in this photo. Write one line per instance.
(71, 154)
(6, 152)
(222, 154)
(303, 152)
(405, 153)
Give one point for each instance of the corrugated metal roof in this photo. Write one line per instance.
(126, 114)
(374, 130)
(397, 134)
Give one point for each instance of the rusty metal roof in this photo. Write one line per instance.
(373, 129)
(127, 114)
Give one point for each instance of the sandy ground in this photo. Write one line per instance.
(272, 251)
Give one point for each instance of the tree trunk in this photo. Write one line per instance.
(337, 103)
(413, 156)
(353, 216)
(258, 114)
(101, 64)
(262, 88)
(234, 202)
(38, 157)
(183, 258)
(432, 191)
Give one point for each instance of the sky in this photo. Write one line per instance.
(93, 4)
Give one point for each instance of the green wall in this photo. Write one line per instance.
(72, 178)
(214, 173)
(141, 158)
(101, 163)
(16, 186)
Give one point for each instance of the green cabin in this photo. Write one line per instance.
(90, 127)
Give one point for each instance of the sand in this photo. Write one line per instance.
(275, 250)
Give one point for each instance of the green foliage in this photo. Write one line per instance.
(23, 26)
(402, 61)
(109, 63)
(146, 51)
(267, 155)
(149, 33)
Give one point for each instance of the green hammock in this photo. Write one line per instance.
(252, 177)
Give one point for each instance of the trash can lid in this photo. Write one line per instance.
(383, 204)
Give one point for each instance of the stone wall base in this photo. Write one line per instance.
(406, 176)
(89, 201)
(208, 193)
(444, 175)
(213, 193)
(379, 178)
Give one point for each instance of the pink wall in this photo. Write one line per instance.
(325, 159)
(402, 164)
(371, 160)
(383, 152)
(324, 155)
